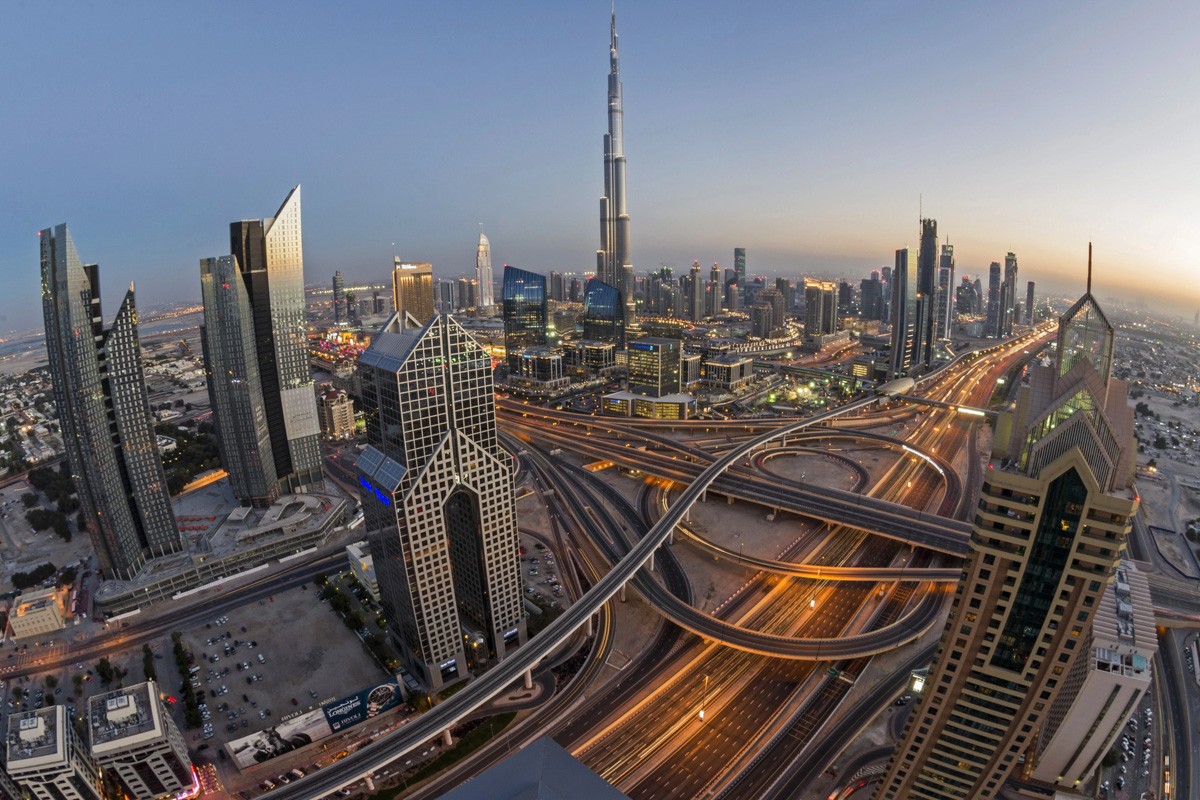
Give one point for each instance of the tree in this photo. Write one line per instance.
(29, 499)
(1160, 442)
(354, 620)
(105, 671)
(148, 663)
(51, 681)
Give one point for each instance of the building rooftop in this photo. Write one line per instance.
(122, 717)
(34, 737)
(541, 771)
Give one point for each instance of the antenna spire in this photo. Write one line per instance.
(1089, 279)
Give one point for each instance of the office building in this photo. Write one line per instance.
(337, 414)
(927, 283)
(1048, 535)
(943, 322)
(270, 254)
(1029, 287)
(134, 737)
(339, 298)
(1008, 295)
(36, 612)
(739, 271)
(526, 321)
(820, 307)
(362, 564)
(654, 366)
(234, 385)
(438, 499)
(993, 327)
(9, 790)
(1105, 687)
(412, 290)
(107, 429)
(603, 316)
(905, 315)
(48, 759)
(614, 265)
(695, 293)
(788, 292)
(870, 301)
(483, 275)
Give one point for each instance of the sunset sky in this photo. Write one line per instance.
(807, 133)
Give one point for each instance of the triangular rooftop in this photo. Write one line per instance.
(541, 771)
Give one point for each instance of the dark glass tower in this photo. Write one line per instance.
(525, 319)
(603, 316)
(993, 326)
(739, 271)
(234, 385)
(906, 308)
(438, 497)
(927, 284)
(100, 392)
(269, 253)
(614, 265)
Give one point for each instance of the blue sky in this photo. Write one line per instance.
(804, 132)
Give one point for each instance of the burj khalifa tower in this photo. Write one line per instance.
(613, 264)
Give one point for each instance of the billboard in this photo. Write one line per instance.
(314, 725)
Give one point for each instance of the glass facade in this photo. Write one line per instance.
(1084, 332)
(100, 393)
(905, 315)
(603, 314)
(525, 317)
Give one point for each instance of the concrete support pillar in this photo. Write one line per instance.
(671, 537)
(704, 496)
(650, 563)
(728, 499)
(588, 629)
(447, 739)
(529, 679)
(371, 783)
(622, 594)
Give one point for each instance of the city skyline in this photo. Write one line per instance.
(1016, 165)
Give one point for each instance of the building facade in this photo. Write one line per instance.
(1048, 534)
(35, 613)
(337, 414)
(270, 254)
(654, 366)
(483, 274)
(603, 315)
(820, 307)
(412, 289)
(48, 759)
(614, 265)
(526, 319)
(107, 429)
(234, 385)
(134, 738)
(438, 497)
(906, 308)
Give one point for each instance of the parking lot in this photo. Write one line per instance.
(1131, 775)
(282, 655)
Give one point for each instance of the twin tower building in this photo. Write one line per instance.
(437, 487)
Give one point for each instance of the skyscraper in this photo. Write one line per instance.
(820, 307)
(100, 394)
(927, 284)
(525, 319)
(270, 254)
(871, 297)
(993, 326)
(483, 274)
(134, 737)
(603, 317)
(339, 298)
(234, 384)
(1048, 534)
(438, 497)
(695, 293)
(614, 265)
(412, 289)
(1029, 287)
(943, 321)
(739, 270)
(654, 366)
(906, 340)
(1008, 295)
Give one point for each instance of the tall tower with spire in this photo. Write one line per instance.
(483, 274)
(613, 263)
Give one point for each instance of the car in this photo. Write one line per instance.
(263, 715)
(262, 659)
(283, 779)
(296, 773)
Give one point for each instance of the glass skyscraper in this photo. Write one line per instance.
(100, 393)
(438, 498)
(234, 385)
(270, 255)
(906, 339)
(603, 314)
(525, 317)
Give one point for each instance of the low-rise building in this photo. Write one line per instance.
(135, 738)
(36, 613)
(631, 404)
(48, 759)
(362, 564)
(728, 372)
(337, 414)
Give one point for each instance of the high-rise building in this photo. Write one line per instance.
(134, 737)
(412, 289)
(871, 298)
(1008, 295)
(906, 353)
(820, 307)
(100, 394)
(339, 298)
(1048, 535)
(1029, 287)
(927, 284)
(695, 293)
(9, 790)
(48, 759)
(337, 414)
(526, 322)
(234, 385)
(654, 366)
(483, 274)
(739, 269)
(558, 287)
(270, 254)
(614, 265)
(788, 292)
(993, 327)
(438, 498)
(603, 316)
(943, 320)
